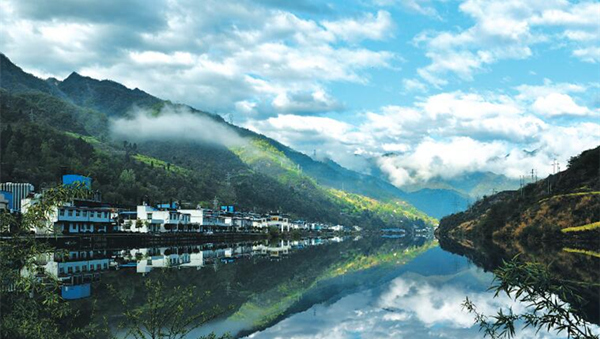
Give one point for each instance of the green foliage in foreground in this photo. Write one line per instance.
(30, 303)
(588, 227)
(533, 285)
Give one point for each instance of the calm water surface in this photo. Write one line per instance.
(376, 287)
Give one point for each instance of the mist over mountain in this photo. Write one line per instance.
(140, 134)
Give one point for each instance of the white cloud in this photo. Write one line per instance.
(174, 123)
(413, 85)
(555, 104)
(507, 29)
(449, 134)
(424, 7)
(217, 54)
(588, 54)
(370, 27)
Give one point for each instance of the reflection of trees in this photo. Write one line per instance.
(562, 265)
(30, 306)
(165, 313)
(261, 287)
(534, 286)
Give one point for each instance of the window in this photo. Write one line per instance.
(70, 269)
(61, 270)
(149, 216)
(105, 265)
(62, 212)
(84, 213)
(70, 213)
(77, 213)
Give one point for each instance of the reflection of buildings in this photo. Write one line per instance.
(75, 270)
(147, 259)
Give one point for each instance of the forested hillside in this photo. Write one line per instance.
(564, 205)
(50, 127)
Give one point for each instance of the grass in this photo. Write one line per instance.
(86, 138)
(588, 227)
(585, 252)
(159, 163)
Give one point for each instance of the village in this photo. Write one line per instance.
(93, 216)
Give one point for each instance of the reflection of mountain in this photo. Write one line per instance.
(564, 265)
(421, 299)
(257, 287)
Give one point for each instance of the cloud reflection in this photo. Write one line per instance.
(410, 306)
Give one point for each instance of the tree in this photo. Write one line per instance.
(139, 224)
(31, 306)
(532, 284)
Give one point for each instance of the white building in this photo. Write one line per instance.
(277, 220)
(73, 219)
(150, 219)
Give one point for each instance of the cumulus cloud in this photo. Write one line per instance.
(177, 123)
(449, 134)
(558, 104)
(218, 55)
(507, 30)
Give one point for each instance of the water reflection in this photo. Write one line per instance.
(422, 301)
(77, 269)
(370, 287)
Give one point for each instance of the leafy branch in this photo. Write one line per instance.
(544, 297)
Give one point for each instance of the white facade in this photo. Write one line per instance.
(160, 220)
(73, 219)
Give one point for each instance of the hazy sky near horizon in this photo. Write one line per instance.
(440, 87)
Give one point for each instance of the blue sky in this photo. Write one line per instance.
(441, 88)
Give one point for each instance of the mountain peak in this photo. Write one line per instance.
(74, 76)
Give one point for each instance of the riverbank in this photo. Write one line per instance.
(106, 240)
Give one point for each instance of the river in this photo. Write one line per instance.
(342, 287)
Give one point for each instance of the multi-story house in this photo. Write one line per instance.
(150, 219)
(75, 217)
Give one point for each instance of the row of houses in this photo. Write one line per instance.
(93, 216)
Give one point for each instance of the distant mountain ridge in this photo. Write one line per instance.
(263, 175)
(91, 103)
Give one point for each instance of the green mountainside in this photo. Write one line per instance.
(561, 207)
(49, 127)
